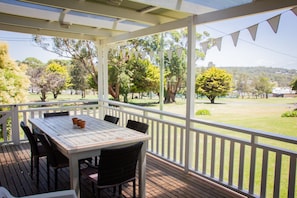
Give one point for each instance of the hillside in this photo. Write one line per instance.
(283, 77)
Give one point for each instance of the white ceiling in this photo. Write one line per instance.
(114, 20)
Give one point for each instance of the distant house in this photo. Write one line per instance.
(283, 92)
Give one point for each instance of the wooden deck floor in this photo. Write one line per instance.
(163, 179)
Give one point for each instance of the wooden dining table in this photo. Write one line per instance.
(80, 143)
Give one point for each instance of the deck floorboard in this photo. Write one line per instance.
(163, 179)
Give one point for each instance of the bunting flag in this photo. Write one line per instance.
(235, 36)
(218, 43)
(204, 46)
(253, 31)
(274, 22)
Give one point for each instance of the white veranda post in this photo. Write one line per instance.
(190, 87)
(102, 75)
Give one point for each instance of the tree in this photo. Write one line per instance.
(33, 69)
(145, 76)
(14, 83)
(53, 78)
(175, 47)
(58, 76)
(119, 80)
(213, 82)
(79, 78)
(242, 85)
(84, 52)
(263, 86)
(294, 85)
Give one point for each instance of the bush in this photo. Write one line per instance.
(202, 112)
(290, 114)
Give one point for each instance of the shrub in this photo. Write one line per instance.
(290, 114)
(202, 112)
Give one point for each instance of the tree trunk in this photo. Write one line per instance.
(114, 91)
(43, 96)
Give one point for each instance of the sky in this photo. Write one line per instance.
(269, 49)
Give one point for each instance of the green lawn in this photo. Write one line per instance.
(260, 114)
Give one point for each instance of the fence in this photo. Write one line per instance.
(255, 163)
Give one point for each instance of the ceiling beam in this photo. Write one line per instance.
(43, 32)
(178, 5)
(148, 31)
(68, 19)
(17, 21)
(105, 10)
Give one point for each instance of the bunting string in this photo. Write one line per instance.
(273, 22)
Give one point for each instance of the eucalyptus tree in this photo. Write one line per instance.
(84, 52)
(174, 45)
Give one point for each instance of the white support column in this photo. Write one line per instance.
(15, 132)
(190, 108)
(101, 72)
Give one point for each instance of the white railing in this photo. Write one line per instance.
(255, 163)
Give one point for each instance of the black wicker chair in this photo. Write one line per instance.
(138, 126)
(116, 167)
(62, 113)
(37, 150)
(55, 158)
(111, 119)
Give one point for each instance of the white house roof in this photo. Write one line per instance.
(113, 20)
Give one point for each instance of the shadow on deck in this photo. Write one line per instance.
(163, 179)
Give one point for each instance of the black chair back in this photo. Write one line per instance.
(111, 119)
(138, 126)
(50, 150)
(31, 138)
(117, 166)
(62, 113)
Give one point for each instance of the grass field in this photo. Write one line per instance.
(260, 114)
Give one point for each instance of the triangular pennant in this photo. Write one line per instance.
(218, 43)
(253, 31)
(274, 22)
(294, 10)
(204, 46)
(169, 54)
(235, 36)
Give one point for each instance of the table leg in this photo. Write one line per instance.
(142, 170)
(74, 174)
